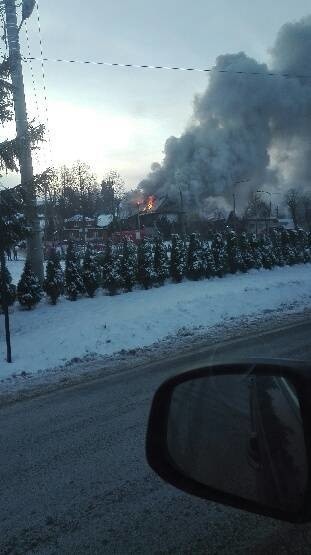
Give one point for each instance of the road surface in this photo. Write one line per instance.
(74, 478)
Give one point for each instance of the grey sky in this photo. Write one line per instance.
(120, 118)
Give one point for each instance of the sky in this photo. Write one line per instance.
(119, 118)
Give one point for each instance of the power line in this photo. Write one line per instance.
(44, 80)
(32, 72)
(145, 66)
(34, 87)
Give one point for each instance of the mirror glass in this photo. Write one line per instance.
(243, 435)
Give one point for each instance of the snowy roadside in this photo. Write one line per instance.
(52, 343)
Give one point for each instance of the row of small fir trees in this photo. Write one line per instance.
(121, 267)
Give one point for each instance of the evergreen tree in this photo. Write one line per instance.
(209, 266)
(111, 276)
(13, 225)
(246, 252)
(29, 292)
(256, 251)
(177, 263)
(73, 277)
(9, 288)
(277, 247)
(161, 262)
(287, 250)
(54, 278)
(195, 267)
(128, 264)
(90, 272)
(220, 255)
(267, 252)
(296, 245)
(302, 240)
(145, 264)
(236, 263)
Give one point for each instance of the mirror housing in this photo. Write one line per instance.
(169, 466)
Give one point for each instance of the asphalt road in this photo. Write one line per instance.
(74, 478)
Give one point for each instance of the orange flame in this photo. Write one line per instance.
(150, 203)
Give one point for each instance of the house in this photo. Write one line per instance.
(260, 225)
(79, 228)
(153, 216)
(104, 221)
(286, 223)
(85, 229)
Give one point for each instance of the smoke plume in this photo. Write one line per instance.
(245, 127)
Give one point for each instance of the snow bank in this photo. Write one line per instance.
(49, 335)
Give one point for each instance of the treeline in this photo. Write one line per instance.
(75, 190)
(122, 267)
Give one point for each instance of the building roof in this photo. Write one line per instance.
(287, 223)
(161, 205)
(104, 220)
(79, 218)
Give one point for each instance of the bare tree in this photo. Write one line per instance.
(306, 207)
(256, 207)
(112, 192)
(292, 199)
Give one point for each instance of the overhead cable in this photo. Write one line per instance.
(145, 66)
(44, 81)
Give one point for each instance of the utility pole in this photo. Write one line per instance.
(34, 241)
(82, 203)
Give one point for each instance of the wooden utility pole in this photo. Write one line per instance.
(82, 202)
(34, 241)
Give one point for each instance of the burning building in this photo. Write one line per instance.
(247, 124)
(154, 215)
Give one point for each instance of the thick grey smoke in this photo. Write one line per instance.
(245, 127)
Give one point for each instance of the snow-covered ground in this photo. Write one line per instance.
(16, 268)
(49, 336)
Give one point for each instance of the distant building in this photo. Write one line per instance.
(104, 220)
(263, 225)
(95, 229)
(260, 225)
(155, 215)
(286, 223)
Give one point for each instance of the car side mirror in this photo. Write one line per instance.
(237, 434)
